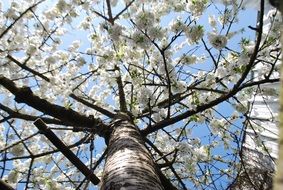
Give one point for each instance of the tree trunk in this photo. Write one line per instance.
(129, 165)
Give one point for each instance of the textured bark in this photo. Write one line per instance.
(5, 186)
(129, 165)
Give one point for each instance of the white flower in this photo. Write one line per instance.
(50, 59)
(212, 22)
(179, 86)
(249, 48)
(241, 108)
(221, 72)
(47, 159)
(115, 31)
(31, 49)
(195, 141)
(170, 68)
(194, 34)
(217, 41)
(155, 32)
(201, 152)
(81, 61)
(140, 40)
(60, 31)
(227, 2)
(17, 150)
(215, 126)
(52, 185)
(11, 13)
(85, 24)
(196, 7)
(156, 117)
(13, 177)
(189, 59)
(144, 19)
(184, 147)
(177, 25)
(160, 114)
(74, 46)
(225, 18)
(62, 6)
(145, 95)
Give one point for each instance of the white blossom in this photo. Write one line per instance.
(115, 31)
(140, 40)
(31, 49)
(74, 46)
(62, 6)
(194, 34)
(155, 32)
(177, 25)
(80, 60)
(13, 177)
(241, 108)
(196, 7)
(144, 19)
(212, 22)
(189, 59)
(17, 150)
(145, 96)
(217, 41)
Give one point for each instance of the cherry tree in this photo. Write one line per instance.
(130, 94)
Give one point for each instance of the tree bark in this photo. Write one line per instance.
(129, 165)
(4, 185)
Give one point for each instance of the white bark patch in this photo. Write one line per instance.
(129, 165)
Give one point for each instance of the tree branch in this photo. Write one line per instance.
(95, 107)
(164, 179)
(76, 144)
(27, 68)
(18, 18)
(25, 95)
(122, 11)
(122, 99)
(15, 114)
(48, 133)
(235, 90)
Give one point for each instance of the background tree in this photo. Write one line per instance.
(166, 84)
(278, 179)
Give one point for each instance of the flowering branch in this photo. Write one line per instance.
(25, 95)
(95, 107)
(223, 97)
(67, 152)
(18, 18)
(17, 114)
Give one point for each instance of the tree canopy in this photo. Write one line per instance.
(185, 72)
